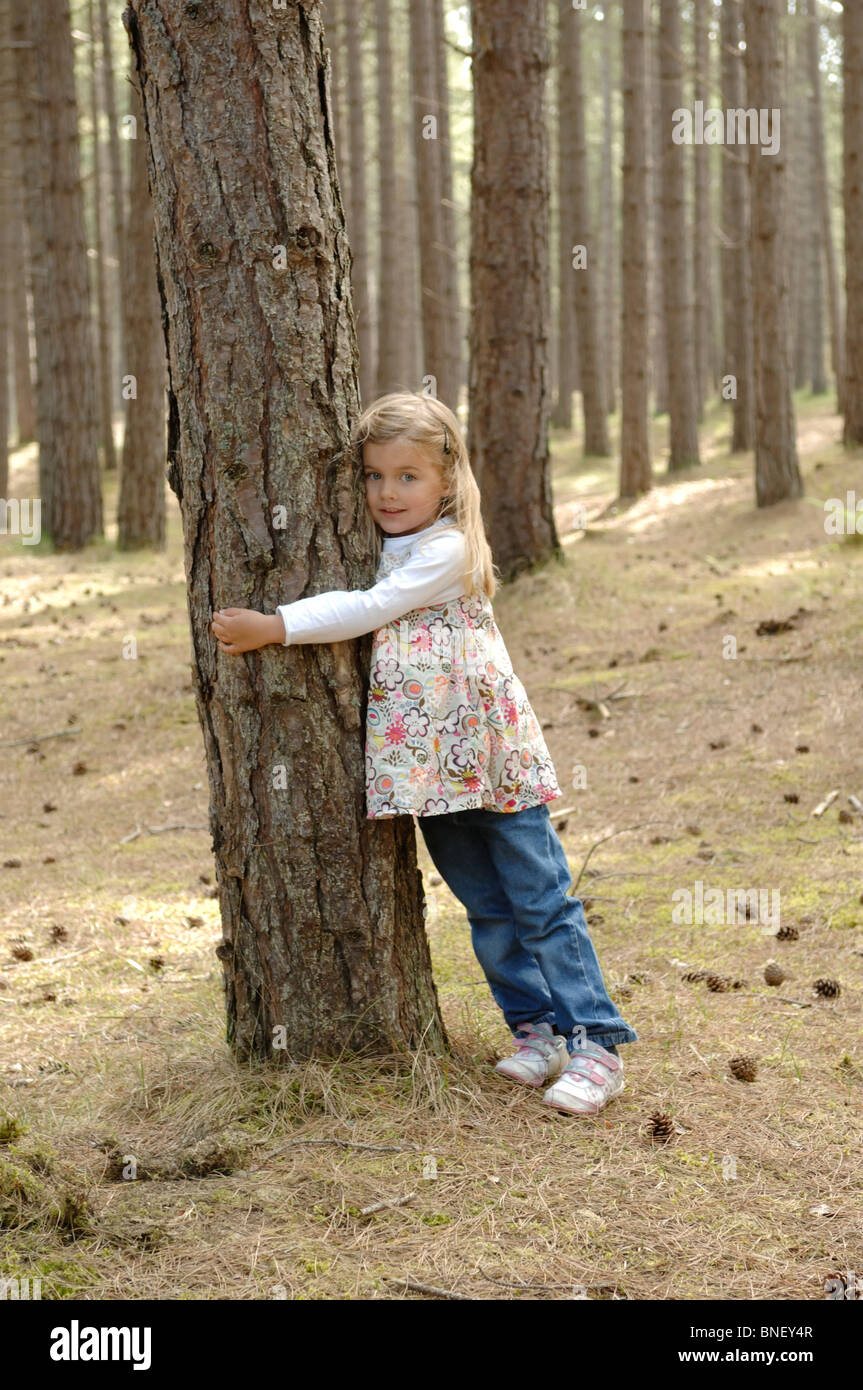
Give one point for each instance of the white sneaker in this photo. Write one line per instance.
(539, 1057)
(591, 1078)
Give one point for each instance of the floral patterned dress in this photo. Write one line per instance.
(449, 726)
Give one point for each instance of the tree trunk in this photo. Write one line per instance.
(509, 261)
(68, 440)
(823, 196)
(390, 269)
(357, 208)
(656, 118)
(815, 367)
(852, 30)
(562, 413)
(585, 280)
(676, 271)
(103, 322)
(703, 224)
(408, 194)
(34, 189)
(440, 365)
(737, 331)
(333, 16)
(448, 224)
(635, 465)
(141, 507)
(777, 475)
(803, 244)
(19, 270)
(118, 199)
(7, 232)
(609, 249)
(321, 906)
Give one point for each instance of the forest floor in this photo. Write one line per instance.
(698, 766)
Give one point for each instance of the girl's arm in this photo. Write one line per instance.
(431, 574)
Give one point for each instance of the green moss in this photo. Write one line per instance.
(11, 1127)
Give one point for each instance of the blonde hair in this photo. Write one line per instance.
(433, 428)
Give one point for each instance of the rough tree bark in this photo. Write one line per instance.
(777, 474)
(635, 466)
(737, 326)
(321, 908)
(509, 262)
(852, 21)
(141, 506)
(676, 266)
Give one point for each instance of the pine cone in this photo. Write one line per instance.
(638, 977)
(660, 1127)
(773, 973)
(743, 1068)
(720, 984)
(692, 977)
(827, 989)
(787, 933)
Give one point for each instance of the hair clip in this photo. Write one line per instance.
(445, 440)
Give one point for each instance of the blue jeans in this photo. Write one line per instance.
(510, 872)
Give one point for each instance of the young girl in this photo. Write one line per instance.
(452, 740)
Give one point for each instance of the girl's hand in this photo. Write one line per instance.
(243, 630)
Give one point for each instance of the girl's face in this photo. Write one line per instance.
(403, 489)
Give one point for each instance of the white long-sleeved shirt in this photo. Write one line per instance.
(432, 573)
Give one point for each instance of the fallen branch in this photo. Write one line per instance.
(52, 960)
(387, 1202)
(503, 1284)
(340, 1143)
(428, 1288)
(624, 829)
(157, 830)
(39, 738)
(780, 998)
(828, 801)
(773, 658)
